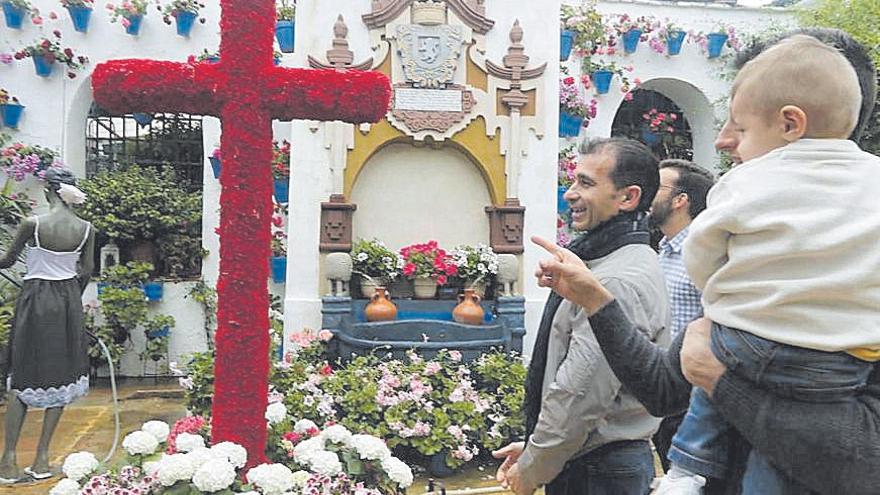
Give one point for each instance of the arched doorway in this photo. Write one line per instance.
(654, 119)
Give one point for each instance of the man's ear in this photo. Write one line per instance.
(794, 121)
(632, 195)
(681, 200)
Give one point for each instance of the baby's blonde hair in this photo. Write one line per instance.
(806, 73)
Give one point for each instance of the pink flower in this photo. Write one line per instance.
(37, 20)
(325, 335)
(628, 96)
(455, 356)
(125, 22)
(432, 368)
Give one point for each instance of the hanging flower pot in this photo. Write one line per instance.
(43, 66)
(184, 20)
(282, 190)
(215, 166)
(569, 125)
(650, 137)
(561, 203)
(284, 33)
(715, 43)
(80, 17)
(153, 291)
(100, 287)
(674, 40)
(14, 15)
(11, 113)
(133, 24)
(566, 42)
(631, 40)
(142, 118)
(602, 80)
(279, 268)
(157, 334)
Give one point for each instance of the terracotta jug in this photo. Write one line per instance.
(468, 310)
(380, 308)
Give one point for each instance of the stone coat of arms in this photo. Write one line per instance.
(429, 53)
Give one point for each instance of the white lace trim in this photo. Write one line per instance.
(53, 396)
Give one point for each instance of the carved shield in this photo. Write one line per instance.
(429, 54)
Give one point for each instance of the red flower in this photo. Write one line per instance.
(568, 81)
(441, 279)
(292, 437)
(326, 370)
(68, 52)
(409, 269)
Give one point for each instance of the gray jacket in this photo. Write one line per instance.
(583, 404)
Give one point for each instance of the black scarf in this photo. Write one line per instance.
(625, 228)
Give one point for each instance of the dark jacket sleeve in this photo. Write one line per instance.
(650, 372)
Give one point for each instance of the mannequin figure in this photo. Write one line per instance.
(49, 364)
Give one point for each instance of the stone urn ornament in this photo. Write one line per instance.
(468, 311)
(380, 307)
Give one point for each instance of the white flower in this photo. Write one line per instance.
(140, 443)
(362, 256)
(174, 468)
(398, 471)
(79, 465)
(202, 455)
(304, 450)
(275, 413)
(304, 425)
(150, 467)
(369, 447)
(71, 195)
(187, 442)
(214, 476)
(325, 463)
(300, 478)
(337, 434)
(233, 452)
(65, 487)
(271, 479)
(158, 429)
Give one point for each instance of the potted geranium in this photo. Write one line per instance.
(667, 37)
(281, 170)
(46, 52)
(574, 111)
(184, 13)
(216, 164)
(476, 265)
(657, 124)
(20, 161)
(279, 247)
(427, 266)
(131, 12)
(582, 28)
(10, 109)
(285, 14)
(602, 72)
(14, 12)
(632, 30)
(377, 264)
(713, 43)
(80, 13)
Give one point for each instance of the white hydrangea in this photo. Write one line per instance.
(202, 455)
(370, 447)
(150, 467)
(300, 478)
(326, 463)
(140, 443)
(158, 429)
(276, 413)
(65, 487)
(174, 468)
(79, 465)
(234, 453)
(250, 493)
(337, 434)
(271, 479)
(304, 425)
(214, 476)
(398, 471)
(187, 442)
(303, 450)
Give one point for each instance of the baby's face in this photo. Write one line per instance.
(756, 133)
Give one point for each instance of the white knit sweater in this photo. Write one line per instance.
(788, 248)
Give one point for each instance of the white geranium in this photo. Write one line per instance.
(303, 450)
(337, 434)
(398, 471)
(214, 476)
(234, 453)
(150, 467)
(79, 465)
(187, 442)
(65, 487)
(303, 426)
(271, 479)
(325, 463)
(174, 468)
(140, 443)
(369, 447)
(276, 413)
(300, 478)
(158, 429)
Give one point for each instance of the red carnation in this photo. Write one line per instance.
(568, 81)
(68, 52)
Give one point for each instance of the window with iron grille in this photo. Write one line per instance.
(672, 139)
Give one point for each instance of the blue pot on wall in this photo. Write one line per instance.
(42, 66)
(14, 15)
(566, 42)
(80, 17)
(284, 33)
(153, 291)
(100, 287)
(11, 113)
(162, 332)
(569, 125)
(561, 204)
(142, 118)
(631, 40)
(282, 190)
(602, 80)
(134, 25)
(185, 20)
(215, 166)
(278, 266)
(715, 44)
(674, 40)
(650, 138)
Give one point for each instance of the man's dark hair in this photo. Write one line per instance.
(634, 165)
(854, 51)
(693, 180)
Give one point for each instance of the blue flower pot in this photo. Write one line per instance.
(14, 15)
(162, 332)
(284, 33)
(438, 467)
(650, 138)
(566, 42)
(134, 25)
(214, 59)
(716, 43)
(561, 204)
(142, 118)
(100, 286)
(282, 190)
(631, 40)
(674, 40)
(153, 291)
(43, 68)
(185, 22)
(278, 265)
(602, 80)
(80, 17)
(11, 113)
(215, 166)
(569, 125)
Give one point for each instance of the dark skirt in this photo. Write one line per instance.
(49, 362)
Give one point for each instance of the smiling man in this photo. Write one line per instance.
(585, 434)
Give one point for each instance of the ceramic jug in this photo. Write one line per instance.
(468, 310)
(380, 307)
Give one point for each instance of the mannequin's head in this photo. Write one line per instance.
(54, 177)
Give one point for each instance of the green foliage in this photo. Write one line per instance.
(587, 24)
(201, 383)
(285, 10)
(373, 259)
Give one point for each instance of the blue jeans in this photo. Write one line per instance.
(700, 445)
(618, 468)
